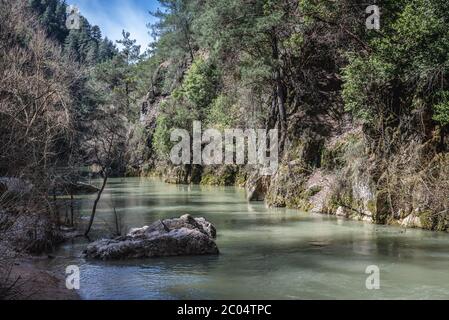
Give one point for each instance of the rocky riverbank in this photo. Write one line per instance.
(25, 239)
(34, 283)
(339, 177)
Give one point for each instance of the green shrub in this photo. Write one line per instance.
(161, 139)
(364, 81)
(441, 110)
(200, 84)
(220, 113)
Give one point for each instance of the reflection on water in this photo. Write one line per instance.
(265, 253)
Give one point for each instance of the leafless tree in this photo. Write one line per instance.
(36, 99)
(106, 148)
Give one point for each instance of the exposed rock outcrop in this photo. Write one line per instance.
(411, 221)
(257, 187)
(171, 237)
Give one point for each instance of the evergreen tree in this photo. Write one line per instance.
(130, 51)
(84, 45)
(71, 45)
(52, 15)
(173, 29)
(106, 50)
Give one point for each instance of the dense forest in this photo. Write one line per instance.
(363, 115)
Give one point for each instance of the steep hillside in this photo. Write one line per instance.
(362, 122)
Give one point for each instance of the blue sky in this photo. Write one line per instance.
(115, 15)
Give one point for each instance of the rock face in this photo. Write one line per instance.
(171, 237)
(257, 187)
(412, 221)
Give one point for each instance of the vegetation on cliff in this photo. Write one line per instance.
(362, 114)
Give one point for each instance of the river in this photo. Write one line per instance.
(265, 253)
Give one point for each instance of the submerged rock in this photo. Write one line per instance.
(171, 237)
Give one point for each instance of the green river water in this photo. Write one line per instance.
(265, 253)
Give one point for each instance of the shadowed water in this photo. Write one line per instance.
(265, 253)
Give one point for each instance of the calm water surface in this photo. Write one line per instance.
(265, 253)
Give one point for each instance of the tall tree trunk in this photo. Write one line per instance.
(282, 112)
(280, 89)
(94, 209)
(274, 112)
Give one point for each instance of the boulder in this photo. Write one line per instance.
(171, 237)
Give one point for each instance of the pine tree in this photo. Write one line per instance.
(130, 51)
(84, 45)
(92, 53)
(96, 34)
(71, 45)
(173, 28)
(106, 50)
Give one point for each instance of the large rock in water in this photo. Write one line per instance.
(170, 237)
